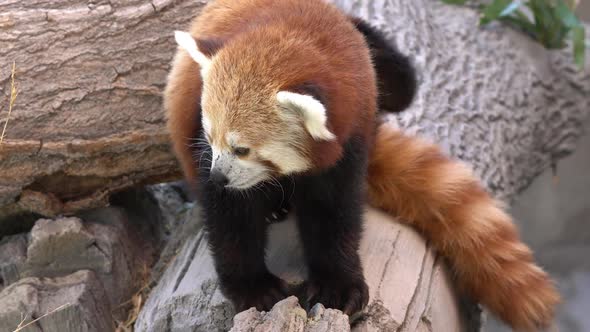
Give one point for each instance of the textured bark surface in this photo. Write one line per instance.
(491, 96)
(88, 119)
(409, 287)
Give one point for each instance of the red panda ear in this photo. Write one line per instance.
(200, 50)
(209, 46)
(189, 44)
(313, 111)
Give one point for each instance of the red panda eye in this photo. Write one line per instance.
(241, 152)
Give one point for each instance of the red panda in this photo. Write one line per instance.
(272, 105)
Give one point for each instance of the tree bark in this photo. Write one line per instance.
(490, 96)
(88, 119)
(410, 288)
(90, 76)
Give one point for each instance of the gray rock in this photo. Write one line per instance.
(288, 316)
(187, 298)
(116, 245)
(80, 297)
(179, 220)
(323, 320)
(175, 241)
(104, 242)
(63, 246)
(172, 202)
(13, 253)
(166, 214)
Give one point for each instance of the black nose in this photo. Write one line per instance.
(218, 178)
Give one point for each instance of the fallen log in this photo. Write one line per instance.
(88, 119)
(409, 286)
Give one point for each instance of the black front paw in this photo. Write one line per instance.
(349, 296)
(261, 293)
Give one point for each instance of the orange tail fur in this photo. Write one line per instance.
(414, 181)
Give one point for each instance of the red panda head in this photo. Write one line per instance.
(256, 126)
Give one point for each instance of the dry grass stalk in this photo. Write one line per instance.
(136, 305)
(136, 302)
(13, 94)
(21, 326)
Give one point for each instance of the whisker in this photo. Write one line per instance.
(202, 155)
(198, 145)
(274, 181)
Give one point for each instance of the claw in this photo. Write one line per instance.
(348, 297)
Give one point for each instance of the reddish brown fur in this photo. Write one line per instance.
(181, 101)
(321, 45)
(415, 182)
(407, 177)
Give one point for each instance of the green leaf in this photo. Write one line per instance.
(511, 8)
(492, 11)
(551, 31)
(526, 21)
(554, 21)
(579, 39)
(567, 17)
(455, 2)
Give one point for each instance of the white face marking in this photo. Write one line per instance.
(248, 174)
(233, 139)
(287, 159)
(215, 153)
(188, 43)
(283, 145)
(314, 113)
(241, 173)
(206, 123)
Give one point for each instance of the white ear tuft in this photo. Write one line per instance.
(188, 43)
(314, 113)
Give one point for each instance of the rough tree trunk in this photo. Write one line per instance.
(409, 287)
(88, 122)
(90, 76)
(88, 113)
